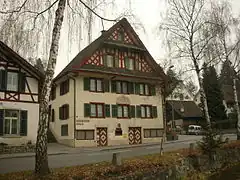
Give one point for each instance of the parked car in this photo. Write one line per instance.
(195, 130)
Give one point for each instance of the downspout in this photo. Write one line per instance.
(74, 107)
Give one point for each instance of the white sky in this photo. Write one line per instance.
(149, 14)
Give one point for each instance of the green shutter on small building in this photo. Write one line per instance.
(138, 111)
(1, 121)
(107, 110)
(133, 111)
(23, 123)
(154, 112)
(116, 62)
(3, 79)
(137, 88)
(130, 88)
(114, 86)
(106, 85)
(126, 62)
(114, 110)
(86, 83)
(87, 110)
(153, 90)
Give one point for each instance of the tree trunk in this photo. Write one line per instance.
(236, 107)
(41, 164)
(204, 101)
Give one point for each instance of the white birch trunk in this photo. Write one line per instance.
(236, 107)
(41, 164)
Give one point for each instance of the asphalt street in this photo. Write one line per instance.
(73, 159)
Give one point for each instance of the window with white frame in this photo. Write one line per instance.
(123, 111)
(96, 110)
(11, 122)
(144, 89)
(122, 87)
(12, 81)
(96, 85)
(146, 111)
(109, 59)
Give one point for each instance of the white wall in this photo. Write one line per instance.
(33, 117)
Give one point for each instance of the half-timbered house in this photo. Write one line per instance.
(19, 98)
(111, 93)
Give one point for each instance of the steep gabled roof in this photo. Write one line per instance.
(190, 108)
(14, 57)
(78, 63)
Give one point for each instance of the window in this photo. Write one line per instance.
(109, 60)
(152, 133)
(146, 111)
(64, 112)
(120, 36)
(85, 135)
(129, 63)
(181, 97)
(64, 87)
(186, 97)
(64, 130)
(53, 93)
(53, 115)
(144, 89)
(123, 111)
(122, 87)
(11, 122)
(96, 110)
(12, 81)
(96, 85)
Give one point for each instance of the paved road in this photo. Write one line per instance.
(71, 159)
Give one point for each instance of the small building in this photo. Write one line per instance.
(111, 93)
(19, 98)
(181, 109)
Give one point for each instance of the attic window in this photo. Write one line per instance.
(120, 36)
(181, 97)
(186, 97)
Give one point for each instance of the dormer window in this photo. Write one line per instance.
(129, 63)
(120, 36)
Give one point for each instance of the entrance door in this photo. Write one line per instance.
(102, 136)
(135, 136)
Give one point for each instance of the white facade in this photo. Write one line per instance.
(89, 123)
(181, 93)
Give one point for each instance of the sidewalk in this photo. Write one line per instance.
(58, 149)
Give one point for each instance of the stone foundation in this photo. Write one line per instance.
(7, 149)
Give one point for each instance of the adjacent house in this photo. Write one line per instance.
(19, 98)
(111, 93)
(181, 109)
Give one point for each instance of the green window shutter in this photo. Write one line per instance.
(23, 123)
(87, 110)
(106, 85)
(126, 63)
(130, 88)
(137, 88)
(114, 110)
(153, 90)
(86, 83)
(138, 111)
(22, 82)
(107, 110)
(154, 112)
(1, 121)
(133, 112)
(116, 62)
(3, 80)
(114, 86)
(60, 113)
(105, 60)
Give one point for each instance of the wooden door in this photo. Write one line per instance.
(102, 136)
(135, 135)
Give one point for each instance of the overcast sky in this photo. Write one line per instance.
(148, 13)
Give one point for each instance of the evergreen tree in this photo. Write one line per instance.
(226, 76)
(214, 94)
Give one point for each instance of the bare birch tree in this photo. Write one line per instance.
(227, 44)
(188, 33)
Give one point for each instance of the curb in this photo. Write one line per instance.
(29, 155)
